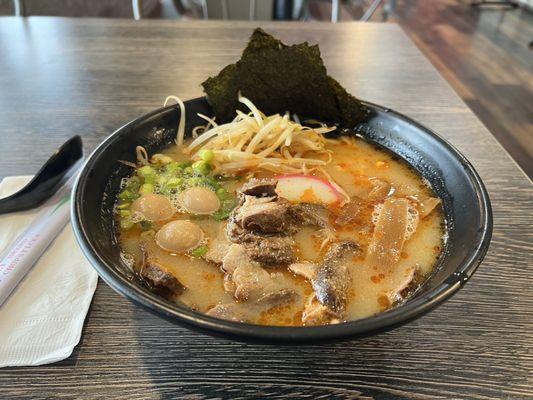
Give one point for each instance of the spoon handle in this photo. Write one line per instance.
(47, 180)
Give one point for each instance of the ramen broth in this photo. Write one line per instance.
(372, 288)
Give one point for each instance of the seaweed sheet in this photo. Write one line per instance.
(279, 78)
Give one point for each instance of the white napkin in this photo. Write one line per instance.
(42, 320)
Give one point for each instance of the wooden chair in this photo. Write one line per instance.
(335, 10)
(21, 9)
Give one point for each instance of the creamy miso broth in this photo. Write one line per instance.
(260, 218)
(328, 229)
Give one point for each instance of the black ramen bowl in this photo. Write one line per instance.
(465, 202)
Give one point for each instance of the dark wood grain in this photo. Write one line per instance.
(60, 77)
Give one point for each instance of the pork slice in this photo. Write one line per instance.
(247, 276)
(316, 313)
(235, 256)
(269, 250)
(306, 269)
(229, 311)
(308, 214)
(333, 276)
(272, 250)
(218, 247)
(251, 282)
(228, 284)
(260, 188)
(244, 312)
(160, 280)
(236, 234)
(411, 282)
(261, 216)
(255, 285)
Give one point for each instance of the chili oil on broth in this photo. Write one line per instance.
(372, 290)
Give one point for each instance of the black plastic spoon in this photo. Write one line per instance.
(47, 180)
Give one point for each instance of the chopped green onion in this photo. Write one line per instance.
(173, 168)
(146, 188)
(196, 181)
(211, 182)
(124, 206)
(223, 194)
(162, 159)
(221, 215)
(150, 179)
(145, 225)
(126, 195)
(207, 155)
(174, 182)
(199, 251)
(126, 224)
(225, 209)
(124, 213)
(161, 180)
(133, 182)
(145, 171)
(201, 167)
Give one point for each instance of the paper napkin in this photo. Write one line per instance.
(42, 320)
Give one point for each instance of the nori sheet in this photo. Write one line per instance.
(279, 78)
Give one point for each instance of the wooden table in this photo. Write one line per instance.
(60, 77)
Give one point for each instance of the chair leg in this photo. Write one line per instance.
(178, 5)
(225, 10)
(253, 6)
(334, 10)
(283, 10)
(205, 12)
(20, 8)
(302, 11)
(371, 10)
(137, 9)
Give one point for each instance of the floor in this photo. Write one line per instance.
(485, 55)
(484, 52)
